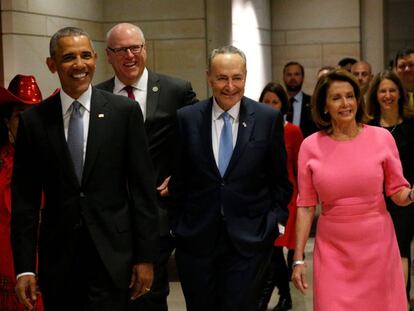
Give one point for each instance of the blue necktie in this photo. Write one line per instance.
(75, 138)
(226, 143)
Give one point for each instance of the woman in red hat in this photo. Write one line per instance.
(23, 92)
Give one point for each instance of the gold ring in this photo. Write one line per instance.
(147, 289)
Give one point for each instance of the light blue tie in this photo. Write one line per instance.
(75, 138)
(226, 143)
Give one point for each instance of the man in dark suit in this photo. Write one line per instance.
(299, 112)
(159, 97)
(86, 150)
(227, 203)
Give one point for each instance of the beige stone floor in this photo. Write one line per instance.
(300, 302)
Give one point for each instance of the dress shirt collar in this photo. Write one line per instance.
(233, 111)
(298, 97)
(84, 99)
(141, 84)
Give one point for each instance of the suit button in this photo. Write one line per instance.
(222, 183)
(82, 195)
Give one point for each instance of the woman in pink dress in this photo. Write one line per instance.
(273, 94)
(21, 94)
(346, 167)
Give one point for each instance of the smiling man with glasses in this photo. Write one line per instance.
(159, 97)
(404, 67)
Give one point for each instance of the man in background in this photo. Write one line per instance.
(363, 72)
(299, 112)
(404, 67)
(159, 97)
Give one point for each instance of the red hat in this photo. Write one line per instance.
(22, 89)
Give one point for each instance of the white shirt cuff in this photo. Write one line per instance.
(24, 273)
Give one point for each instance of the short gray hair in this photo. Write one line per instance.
(66, 32)
(228, 49)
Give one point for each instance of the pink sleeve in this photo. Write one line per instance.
(307, 195)
(393, 174)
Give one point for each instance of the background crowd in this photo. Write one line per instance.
(100, 184)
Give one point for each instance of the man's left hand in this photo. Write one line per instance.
(163, 188)
(141, 279)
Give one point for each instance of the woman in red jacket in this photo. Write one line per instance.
(22, 93)
(278, 273)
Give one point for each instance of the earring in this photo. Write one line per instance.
(325, 112)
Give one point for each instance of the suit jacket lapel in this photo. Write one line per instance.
(305, 110)
(99, 118)
(205, 132)
(56, 134)
(246, 125)
(153, 91)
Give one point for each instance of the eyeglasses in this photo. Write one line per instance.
(405, 65)
(134, 49)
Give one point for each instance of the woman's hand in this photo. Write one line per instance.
(299, 277)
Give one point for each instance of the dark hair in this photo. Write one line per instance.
(404, 110)
(347, 60)
(402, 53)
(294, 64)
(5, 114)
(322, 119)
(66, 32)
(228, 49)
(277, 89)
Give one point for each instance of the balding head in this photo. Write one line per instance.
(363, 72)
(123, 43)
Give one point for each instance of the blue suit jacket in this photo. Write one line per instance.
(254, 192)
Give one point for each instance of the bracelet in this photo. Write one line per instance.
(409, 196)
(297, 262)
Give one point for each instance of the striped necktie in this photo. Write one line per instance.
(130, 91)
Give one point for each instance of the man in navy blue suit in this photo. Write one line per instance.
(230, 189)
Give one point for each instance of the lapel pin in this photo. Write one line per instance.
(155, 89)
(244, 124)
(101, 115)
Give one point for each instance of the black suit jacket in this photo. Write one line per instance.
(165, 96)
(307, 125)
(254, 192)
(115, 200)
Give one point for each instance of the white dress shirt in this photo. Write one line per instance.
(297, 108)
(217, 125)
(139, 88)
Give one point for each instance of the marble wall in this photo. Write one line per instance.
(315, 33)
(26, 29)
(174, 30)
(181, 33)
